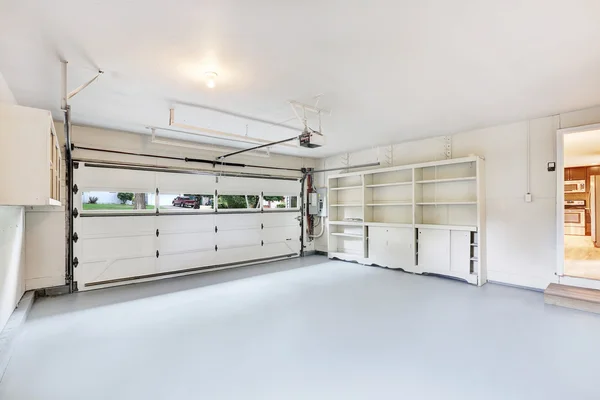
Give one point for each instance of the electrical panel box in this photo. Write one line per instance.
(317, 203)
(313, 203)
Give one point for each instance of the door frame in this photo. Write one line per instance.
(560, 194)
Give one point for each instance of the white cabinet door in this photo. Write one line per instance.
(391, 247)
(401, 247)
(460, 252)
(434, 250)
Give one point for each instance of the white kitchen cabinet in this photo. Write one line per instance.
(392, 247)
(30, 160)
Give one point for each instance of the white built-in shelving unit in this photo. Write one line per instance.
(422, 218)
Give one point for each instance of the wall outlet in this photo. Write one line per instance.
(528, 198)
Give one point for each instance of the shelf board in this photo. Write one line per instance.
(378, 185)
(347, 188)
(391, 203)
(346, 205)
(464, 179)
(475, 259)
(349, 223)
(52, 202)
(448, 227)
(447, 203)
(350, 235)
(388, 224)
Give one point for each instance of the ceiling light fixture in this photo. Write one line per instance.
(211, 78)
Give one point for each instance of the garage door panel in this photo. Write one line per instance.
(115, 180)
(280, 234)
(185, 183)
(175, 262)
(238, 238)
(92, 226)
(231, 255)
(90, 272)
(178, 242)
(277, 219)
(226, 221)
(186, 223)
(280, 249)
(117, 247)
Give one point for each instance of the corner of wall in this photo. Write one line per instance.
(6, 95)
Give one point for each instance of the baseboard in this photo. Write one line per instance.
(516, 286)
(315, 253)
(52, 291)
(13, 328)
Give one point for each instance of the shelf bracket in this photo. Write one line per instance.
(448, 146)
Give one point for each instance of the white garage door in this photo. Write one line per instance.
(135, 225)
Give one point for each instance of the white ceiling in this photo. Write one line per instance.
(390, 70)
(582, 148)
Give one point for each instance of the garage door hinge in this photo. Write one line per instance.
(262, 226)
(156, 211)
(68, 278)
(76, 165)
(75, 262)
(157, 191)
(75, 189)
(216, 247)
(157, 233)
(262, 243)
(75, 213)
(157, 254)
(216, 229)
(75, 237)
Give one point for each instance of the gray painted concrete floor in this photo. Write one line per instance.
(312, 329)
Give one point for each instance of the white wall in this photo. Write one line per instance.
(521, 237)
(12, 223)
(45, 228)
(6, 95)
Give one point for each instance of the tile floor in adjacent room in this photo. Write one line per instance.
(309, 329)
(582, 258)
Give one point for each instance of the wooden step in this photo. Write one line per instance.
(573, 297)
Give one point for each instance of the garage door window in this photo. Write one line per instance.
(280, 202)
(118, 201)
(238, 202)
(177, 202)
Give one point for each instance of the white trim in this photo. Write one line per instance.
(560, 200)
(580, 282)
(582, 128)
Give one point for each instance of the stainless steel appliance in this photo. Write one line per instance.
(575, 186)
(575, 217)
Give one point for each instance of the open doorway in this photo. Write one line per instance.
(581, 202)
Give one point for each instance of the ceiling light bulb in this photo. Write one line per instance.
(210, 79)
